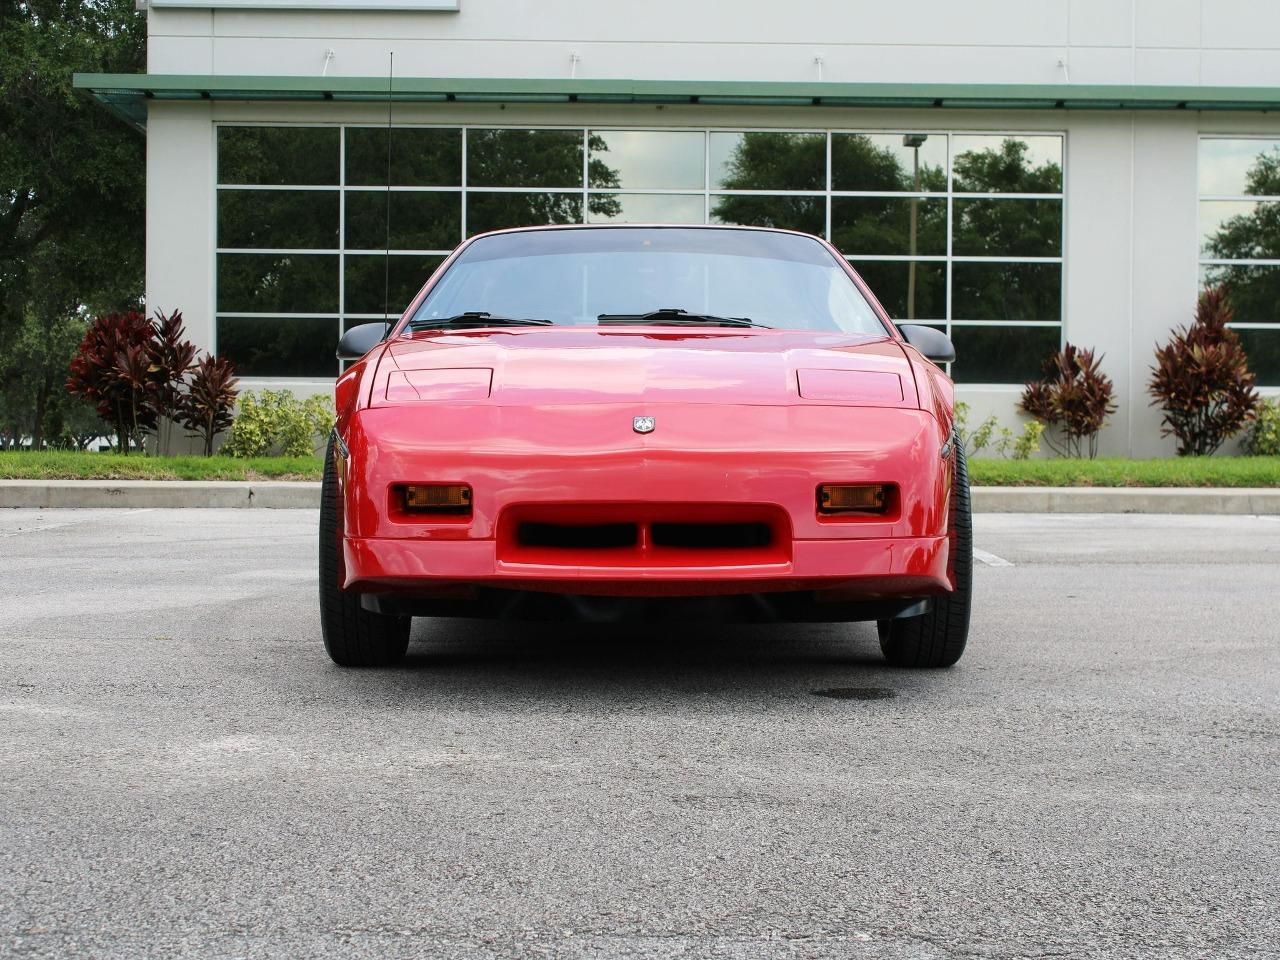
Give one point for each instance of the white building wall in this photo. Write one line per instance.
(180, 215)
(1212, 42)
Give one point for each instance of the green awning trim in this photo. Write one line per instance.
(127, 94)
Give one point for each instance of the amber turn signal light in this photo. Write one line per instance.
(437, 498)
(849, 498)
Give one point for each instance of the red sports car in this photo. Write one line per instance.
(661, 423)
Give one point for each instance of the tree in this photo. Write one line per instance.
(71, 175)
(33, 366)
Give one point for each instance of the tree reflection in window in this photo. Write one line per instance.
(1009, 167)
(542, 159)
(940, 224)
(1253, 289)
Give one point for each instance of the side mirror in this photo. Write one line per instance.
(934, 344)
(358, 341)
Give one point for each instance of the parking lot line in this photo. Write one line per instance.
(990, 559)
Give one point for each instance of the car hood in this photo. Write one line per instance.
(652, 364)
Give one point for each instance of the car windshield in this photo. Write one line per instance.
(572, 277)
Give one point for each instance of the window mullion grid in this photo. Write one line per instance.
(283, 251)
(540, 190)
(342, 233)
(281, 187)
(463, 217)
(1005, 323)
(898, 257)
(398, 253)
(921, 194)
(827, 192)
(950, 269)
(969, 258)
(1240, 197)
(287, 314)
(706, 176)
(949, 258)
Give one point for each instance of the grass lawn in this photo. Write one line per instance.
(1175, 472)
(64, 465)
(1182, 472)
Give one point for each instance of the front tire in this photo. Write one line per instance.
(353, 636)
(938, 638)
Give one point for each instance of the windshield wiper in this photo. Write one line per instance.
(676, 317)
(476, 318)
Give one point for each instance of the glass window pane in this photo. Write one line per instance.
(1240, 229)
(419, 221)
(366, 282)
(889, 161)
(277, 283)
(498, 211)
(1232, 167)
(1006, 291)
(1007, 228)
(645, 208)
(1253, 291)
(1005, 164)
(420, 157)
(890, 281)
(273, 156)
(279, 346)
(882, 226)
(806, 214)
(651, 160)
(1263, 349)
(524, 158)
(1001, 354)
(278, 219)
(366, 287)
(768, 161)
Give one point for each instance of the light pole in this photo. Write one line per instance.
(915, 141)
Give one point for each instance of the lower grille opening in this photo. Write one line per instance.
(586, 536)
(711, 536)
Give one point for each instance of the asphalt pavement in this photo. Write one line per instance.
(184, 773)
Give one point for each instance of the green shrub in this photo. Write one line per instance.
(1263, 439)
(276, 422)
(1002, 440)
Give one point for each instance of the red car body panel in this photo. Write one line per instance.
(539, 423)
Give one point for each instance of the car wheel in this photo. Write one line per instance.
(938, 638)
(353, 636)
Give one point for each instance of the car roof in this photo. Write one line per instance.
(643, 226)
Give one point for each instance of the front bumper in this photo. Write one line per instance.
(837, 569)
(706, 462)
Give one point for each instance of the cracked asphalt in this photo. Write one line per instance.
(184, 774)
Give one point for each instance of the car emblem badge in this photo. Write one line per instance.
(643, 424)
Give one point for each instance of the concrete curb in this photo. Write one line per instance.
(146, 494)
(149, 494)
(1246, 501)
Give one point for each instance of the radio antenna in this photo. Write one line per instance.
(386, 266)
